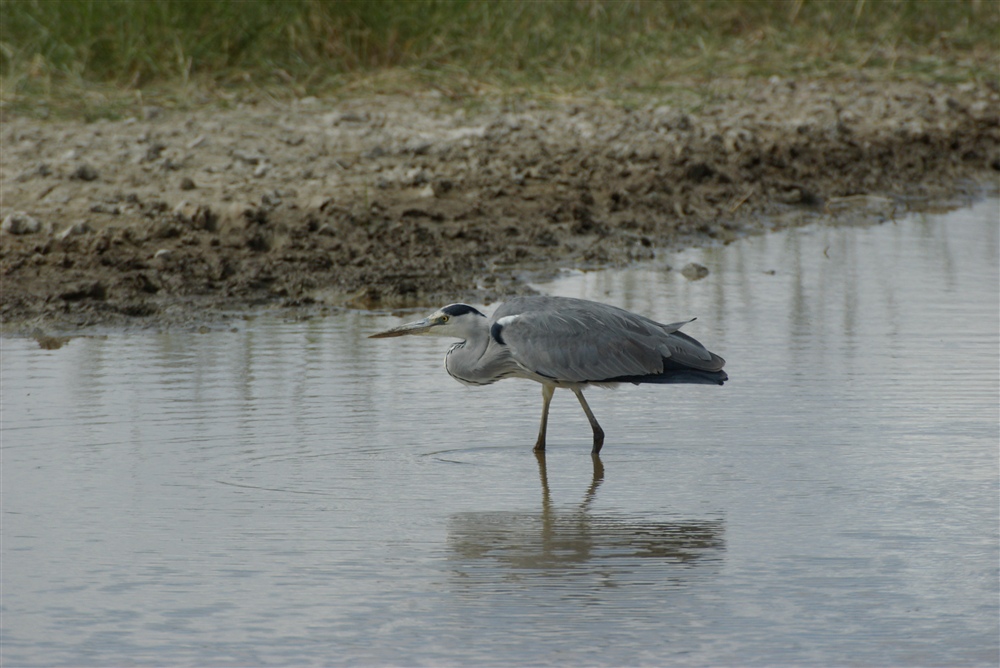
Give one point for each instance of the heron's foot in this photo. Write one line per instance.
(598, 441)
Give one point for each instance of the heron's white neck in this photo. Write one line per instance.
(473, 361)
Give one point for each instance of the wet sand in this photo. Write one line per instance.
(181, 218)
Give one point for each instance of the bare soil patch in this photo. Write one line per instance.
(180, 217)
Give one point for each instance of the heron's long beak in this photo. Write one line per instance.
(418, 327)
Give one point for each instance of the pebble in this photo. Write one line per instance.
(199, 215)
(694, 271)
(187, 183)
(76, 229)
(89, 290)
(41, 169)
(248, 158)
(153, 151)
(164, 229)
(85, 172)
(46, 342)
(184, 210)
(103, 207)
(19, 222)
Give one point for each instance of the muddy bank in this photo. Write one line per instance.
(179, 217)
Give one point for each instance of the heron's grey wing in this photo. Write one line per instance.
(576, 341)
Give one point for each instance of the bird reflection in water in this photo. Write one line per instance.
(563, 542)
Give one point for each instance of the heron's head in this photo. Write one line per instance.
(455, 320)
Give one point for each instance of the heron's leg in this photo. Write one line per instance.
(547, 391)
(598, 432)
(595, 483)
(544, 476)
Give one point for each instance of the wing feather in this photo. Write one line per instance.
(575, 340)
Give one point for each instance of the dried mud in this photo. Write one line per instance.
(180, 218)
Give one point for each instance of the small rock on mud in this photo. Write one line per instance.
(20, 222)
(85, 172)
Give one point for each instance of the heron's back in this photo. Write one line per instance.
(579, 341)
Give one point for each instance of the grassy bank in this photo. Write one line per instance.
(55, 49)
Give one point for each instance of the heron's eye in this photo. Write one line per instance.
(444, 319)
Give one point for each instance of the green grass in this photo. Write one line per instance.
(112, 52)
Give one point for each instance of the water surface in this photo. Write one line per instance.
(295, 493)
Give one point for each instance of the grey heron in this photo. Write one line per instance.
(565, 343)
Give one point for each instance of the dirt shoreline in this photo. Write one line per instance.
(179, 218)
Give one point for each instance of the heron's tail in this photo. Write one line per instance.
(693, 376)
(675, 372)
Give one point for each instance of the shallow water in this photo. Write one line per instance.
(295, 493)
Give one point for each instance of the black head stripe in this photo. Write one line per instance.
(455, 310)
